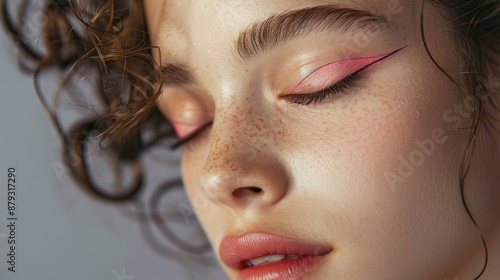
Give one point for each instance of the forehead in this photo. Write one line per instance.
(198, 28)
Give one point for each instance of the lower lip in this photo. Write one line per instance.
(293, 269)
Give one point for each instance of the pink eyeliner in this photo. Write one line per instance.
(183, 130)
(334, 72)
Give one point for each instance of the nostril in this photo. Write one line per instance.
(240, 192)
(255, 189)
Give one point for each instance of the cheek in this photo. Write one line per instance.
(390, 133)
(393, 146)
(387, 168)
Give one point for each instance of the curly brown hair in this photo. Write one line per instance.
(110, 38)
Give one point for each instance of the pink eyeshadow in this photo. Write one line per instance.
(333, 73)
(183, 130)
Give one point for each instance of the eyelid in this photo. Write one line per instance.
(183, 129)
(191, 136)
(187, 108)
(332, 73)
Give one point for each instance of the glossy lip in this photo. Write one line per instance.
(235, 250)
(294, 269)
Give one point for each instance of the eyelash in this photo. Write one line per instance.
(301, 99)
(317, 97)
(190, 140)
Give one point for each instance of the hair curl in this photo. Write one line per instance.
(110, 38)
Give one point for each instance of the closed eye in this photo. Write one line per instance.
(302, 99)
(325, 76)
(305, 99)
(190, 139)
(316, 97)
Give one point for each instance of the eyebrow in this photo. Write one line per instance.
(288, 25)
(280, 28)
(177, 74)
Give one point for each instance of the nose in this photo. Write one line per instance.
(243, 167)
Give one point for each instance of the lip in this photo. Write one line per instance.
(235, 250)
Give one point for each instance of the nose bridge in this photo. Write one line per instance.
(239, 135)
(241, 162)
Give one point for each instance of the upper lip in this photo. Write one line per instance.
(235, 250)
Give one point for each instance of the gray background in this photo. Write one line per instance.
(62, 233)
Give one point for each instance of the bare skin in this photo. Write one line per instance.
(372, 170)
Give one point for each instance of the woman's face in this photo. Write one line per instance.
(334, 138)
